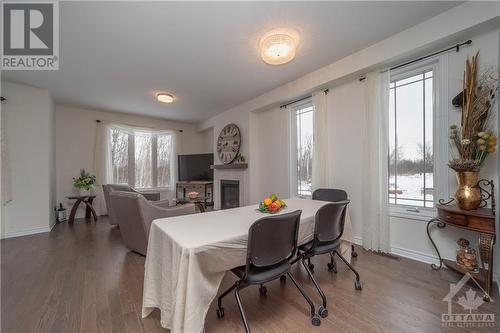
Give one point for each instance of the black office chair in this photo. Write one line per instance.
(333, 195)
(328, 228)
(272, 244)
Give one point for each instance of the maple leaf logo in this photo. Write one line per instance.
(470, 301)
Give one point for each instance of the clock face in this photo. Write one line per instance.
(228, 143)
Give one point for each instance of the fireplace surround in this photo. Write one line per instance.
(229, 193)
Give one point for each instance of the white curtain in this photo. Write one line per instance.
(102, 154)
(6, 187)
(375, 196)
(320, 166)
(102, 164)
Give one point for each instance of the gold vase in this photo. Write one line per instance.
(467, 195)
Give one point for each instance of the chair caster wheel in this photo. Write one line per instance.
(315, 320)
(354, 254)
(332, 268)
(323, 312)
(263, 291)
(357, 285)
(283, 279)
(486, 298)
(220, 312)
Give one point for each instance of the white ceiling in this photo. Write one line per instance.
(116, 55)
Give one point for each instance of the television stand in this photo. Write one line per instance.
(204, 188)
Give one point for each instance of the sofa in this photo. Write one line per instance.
(134, 214)
(149, 195)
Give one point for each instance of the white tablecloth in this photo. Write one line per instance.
(188, 256)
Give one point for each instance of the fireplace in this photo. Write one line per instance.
(229, 194)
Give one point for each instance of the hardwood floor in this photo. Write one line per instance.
(83, 279)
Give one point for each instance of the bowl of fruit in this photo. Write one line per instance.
(271, 205)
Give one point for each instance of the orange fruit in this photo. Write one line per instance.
(267, 201)
(274, 207)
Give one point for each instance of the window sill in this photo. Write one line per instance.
(154, 189)
(403, 213)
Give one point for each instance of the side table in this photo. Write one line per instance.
(481, 221)
(87, 200)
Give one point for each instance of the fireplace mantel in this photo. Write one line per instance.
(230, 166)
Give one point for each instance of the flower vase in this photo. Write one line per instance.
(83, 192)
(468, 195)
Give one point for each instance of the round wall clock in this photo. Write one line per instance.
(228, 143)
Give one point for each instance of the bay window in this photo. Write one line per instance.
(143, 159)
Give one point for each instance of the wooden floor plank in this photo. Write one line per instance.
(81, 278)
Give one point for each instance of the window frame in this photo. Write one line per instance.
(154, 157)
(440, 95)
(292, 115)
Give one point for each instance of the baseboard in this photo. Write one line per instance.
(26, 232)
(415, 255)
(496, 278)
(406, 253)
(357, 240)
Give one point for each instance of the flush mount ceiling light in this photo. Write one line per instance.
(278, 46)
(165, 98)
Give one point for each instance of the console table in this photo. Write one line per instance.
(204, 188)
(87, 200)
(481, 221)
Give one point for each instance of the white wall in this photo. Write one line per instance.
(403, 231)
(207, 140)
(269, 150)
(75, 139)
(28, 119)
(345, 104)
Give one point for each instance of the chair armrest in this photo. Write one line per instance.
(151, 196)
(186, 209)
(152, 212)
(162, 203)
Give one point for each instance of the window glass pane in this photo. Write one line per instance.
(409, 135)
(304, 150)
(164, 159)
(143, 160)
(392, 148)
(411, 164)
(119, 156)
(409, 80)
(429, 139)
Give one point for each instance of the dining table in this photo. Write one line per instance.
(188, 256)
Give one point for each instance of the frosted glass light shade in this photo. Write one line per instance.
(165, 98)
(277, 49)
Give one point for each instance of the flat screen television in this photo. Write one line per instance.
(195, 167)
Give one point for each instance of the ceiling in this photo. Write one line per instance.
(116, 55)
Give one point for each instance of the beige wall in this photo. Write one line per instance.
(75, 139)
(28, 119)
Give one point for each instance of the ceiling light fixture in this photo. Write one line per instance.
(165, 98)
(277, 47)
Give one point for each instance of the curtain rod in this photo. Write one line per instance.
(98, 121)
(454, 47)
(299, 100)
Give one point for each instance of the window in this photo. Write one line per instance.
(142, 159)
(302, 147)
(411, 138)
